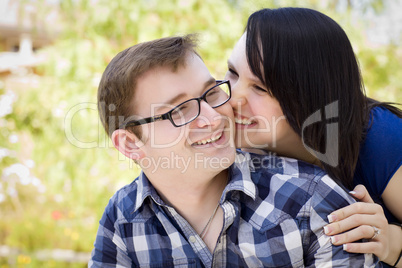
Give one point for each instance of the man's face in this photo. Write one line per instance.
(205, 143)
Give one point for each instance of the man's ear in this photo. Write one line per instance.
(128, 144)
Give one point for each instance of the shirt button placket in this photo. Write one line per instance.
(192, 239)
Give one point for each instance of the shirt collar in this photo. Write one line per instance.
(145, 189)
(240, 176)
(240, 180)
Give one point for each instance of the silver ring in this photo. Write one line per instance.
(376, 232)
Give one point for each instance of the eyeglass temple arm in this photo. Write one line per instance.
(145, 120)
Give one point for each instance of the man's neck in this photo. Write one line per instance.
(194, 195)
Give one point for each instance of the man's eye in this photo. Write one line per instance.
(181, 109)
(213, 91)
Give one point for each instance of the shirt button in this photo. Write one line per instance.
(192, 239)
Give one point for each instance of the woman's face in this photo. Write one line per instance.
(260, 122)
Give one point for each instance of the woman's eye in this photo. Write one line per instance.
(232, 71)
(261, 89)
(231, 75)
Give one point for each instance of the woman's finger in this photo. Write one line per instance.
(355, 221)
(360, 193)
(361, 232)
(374, 247)
(356, 208)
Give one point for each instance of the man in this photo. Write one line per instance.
(191, 206)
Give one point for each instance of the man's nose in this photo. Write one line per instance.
(208, 116)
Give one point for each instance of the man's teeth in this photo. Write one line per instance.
(243, 121)
(202, 142)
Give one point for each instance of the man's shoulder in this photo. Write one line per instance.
(122, 204)
(309, 177)
(293, 184)
(269, 164)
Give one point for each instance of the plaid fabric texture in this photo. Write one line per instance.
(274, 213)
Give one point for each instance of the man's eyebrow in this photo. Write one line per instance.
(175, 99)
(208, 84)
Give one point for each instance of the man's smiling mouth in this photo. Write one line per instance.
(211, 140)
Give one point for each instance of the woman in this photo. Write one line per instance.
(297, 92)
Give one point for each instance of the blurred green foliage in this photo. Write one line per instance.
(59, 168)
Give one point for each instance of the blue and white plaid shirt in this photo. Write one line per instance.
(274, 213)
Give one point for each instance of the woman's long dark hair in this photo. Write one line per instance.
(310, 67)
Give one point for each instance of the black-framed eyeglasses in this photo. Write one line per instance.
(189, 110)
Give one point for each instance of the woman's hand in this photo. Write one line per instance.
(361, 220)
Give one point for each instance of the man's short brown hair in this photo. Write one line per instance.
(118, 83)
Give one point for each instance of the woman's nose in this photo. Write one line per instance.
(238, 99)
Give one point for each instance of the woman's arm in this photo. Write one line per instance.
(356, 222)
(392, 197)
(392, 194)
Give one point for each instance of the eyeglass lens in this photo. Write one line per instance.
(189, 110)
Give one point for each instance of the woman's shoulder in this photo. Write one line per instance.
(380, 152)
(384, 128)
(382, 117)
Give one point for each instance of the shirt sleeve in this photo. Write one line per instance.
(319, 251)
(109, 248)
